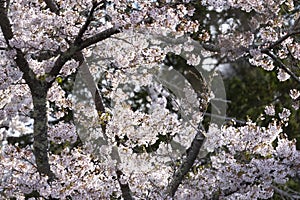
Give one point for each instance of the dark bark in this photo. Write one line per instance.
(85, 26)
(99, 37)
(4, 22)
(199, 85)
(38, 89)
(281, 65)
(40, 144)
(52, 6)
(39, 95)
(187, 163)
(126, 192)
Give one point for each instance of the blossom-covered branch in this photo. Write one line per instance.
(187, 163)
(281, 65)
(99, 37)
(132, 133)
(39, 92)
(4, 23)
(85, 26)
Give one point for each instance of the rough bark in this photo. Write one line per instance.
(40, 144)
(187, 163)
(52, 6)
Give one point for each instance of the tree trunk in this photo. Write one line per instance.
(40, 144)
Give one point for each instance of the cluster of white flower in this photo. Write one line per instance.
(259, 6)
(243, 165)
(78, 175)
(141, 128)
(261, 60)
(284, 115)
(295, 94)
(9, 73)
(62, 132)
(270, 110)
(239, 163)
(235, 45)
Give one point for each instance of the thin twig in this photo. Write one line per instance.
(281, 65)
(283, 38)
(286, 194)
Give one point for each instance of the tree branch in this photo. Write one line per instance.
(92, 87)
(280, 40)
(99, 37)
(5, 24)
(286, 194)
(187, 163)
(125, 189)
(297, 22)
(86, 24)
(40, 143)
(199, 85)
(45, 55)
(38, 91)
(62, 59)
(211, 47)
(281, 65)
(52, 6)
(74, 48)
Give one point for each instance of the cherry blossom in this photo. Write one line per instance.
(108, 113)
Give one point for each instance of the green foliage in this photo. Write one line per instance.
(250, 89)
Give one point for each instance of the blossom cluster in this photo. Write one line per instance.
(243, 165)
(78, 175)
(147, 144)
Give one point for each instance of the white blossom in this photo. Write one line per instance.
(270, 110)
(295, 94)
(282, 75)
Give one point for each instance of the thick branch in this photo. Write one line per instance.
(187, 163)
(45, 55)
(23, 65)
(99, 37)
(211, 47)
(4, 23)
(74, 48)
(125, 189)
(199, 85)
(40, 143)
(38, 91)
(39, 95)
(92, 87)
(78, 43)
(52, 6)
(62, 59)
